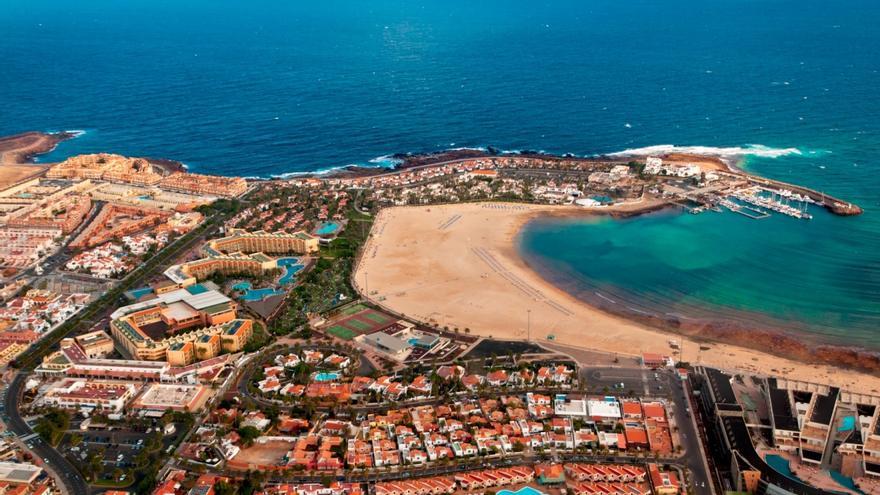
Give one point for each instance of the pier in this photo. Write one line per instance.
(752, 197)
(830, 203)
(745, 210)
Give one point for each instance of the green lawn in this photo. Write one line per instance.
(341, 332)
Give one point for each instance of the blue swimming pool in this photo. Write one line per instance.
(844, 481)
(780, 464)
(139, 293)
(328, 376)
(259, 294)
(197, 289)
(526, 490)
(291, 267)
(848, 424)
(327, 228)
(242, 286)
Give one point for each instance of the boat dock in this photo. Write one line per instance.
(752, 196)
(745, 210)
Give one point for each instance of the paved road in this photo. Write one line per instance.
(74, 481)
(694, 455)
(71, 477)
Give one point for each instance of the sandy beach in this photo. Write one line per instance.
(457, 266)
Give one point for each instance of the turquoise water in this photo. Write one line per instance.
(138, 293)
(328, 228)
(197, 289)
(242, 286)
(304, 86)
(848, 424)
(326, 377)
(526, 490)
(818, 276)
(291, 267)
(259, 294)
(844, 481)
(780, 464)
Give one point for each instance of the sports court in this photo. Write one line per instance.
(359, 320)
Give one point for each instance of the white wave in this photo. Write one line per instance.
(386, 161)
(76, 132)
(469, 148)
(319, 172)
(724, 152)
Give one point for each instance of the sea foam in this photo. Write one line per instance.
(723, 152)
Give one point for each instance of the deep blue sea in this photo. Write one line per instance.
(274, 87)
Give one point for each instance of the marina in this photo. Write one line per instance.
(757, 197)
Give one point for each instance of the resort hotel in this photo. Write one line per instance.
(177, 326)
(242, 252)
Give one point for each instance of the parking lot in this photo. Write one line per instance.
(120, 447)
(642, 381)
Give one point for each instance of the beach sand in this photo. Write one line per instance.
(458, 266)
(16, 151)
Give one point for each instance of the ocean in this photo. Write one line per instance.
(277, 87)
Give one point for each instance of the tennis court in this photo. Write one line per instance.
(358, 324)
(365, 320)
(350, 310)
(341, 332)
(380, 318)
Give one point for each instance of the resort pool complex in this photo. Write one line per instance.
(328, 228)
(242, 286)
(291, 267)
(252, 295)
(526, 490)
(326, 377)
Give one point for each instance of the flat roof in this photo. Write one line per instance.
(721, 387)
(180, 311)
(823, 409)
(780, 407)
(391, 342)
(603, 408)
(198, 301)
(16, 472)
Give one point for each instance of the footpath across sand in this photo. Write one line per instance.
(458, 266)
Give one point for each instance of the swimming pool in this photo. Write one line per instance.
(259, 294)
(242, 286)
(291, 267)
(139, 293)
(328, 376)
(327, 228)
(848, 424)
(844, 481)
(780, 464)
(526, 490)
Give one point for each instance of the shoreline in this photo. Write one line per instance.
(22, 148)
(759, 332)
(443, 277)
